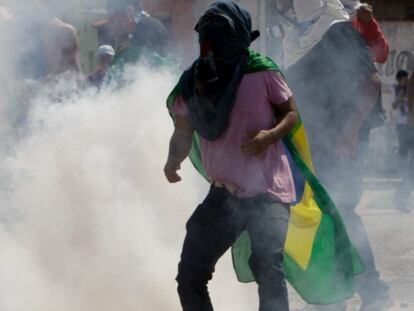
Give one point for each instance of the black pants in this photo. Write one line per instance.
(214, 227)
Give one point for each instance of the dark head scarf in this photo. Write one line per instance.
(210, 86)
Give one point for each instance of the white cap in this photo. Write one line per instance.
(106, 50)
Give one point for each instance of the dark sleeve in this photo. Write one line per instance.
(350, 51)
(152, 34)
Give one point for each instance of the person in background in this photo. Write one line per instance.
(61, 47)
(363, 20)
(106, 54)
(52, 45)
(134, 32)
(400, 107)
(43, 49)
(406, 138)
(331, 71)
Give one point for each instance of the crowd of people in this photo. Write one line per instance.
(330, 49)
(51, 46)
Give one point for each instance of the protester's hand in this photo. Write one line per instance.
(170, 171)
(256, 143)
(347, 143)
(365, 14)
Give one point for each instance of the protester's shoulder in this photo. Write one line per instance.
(265, 75)
(153, 26)
(62, 27)
(61, 32)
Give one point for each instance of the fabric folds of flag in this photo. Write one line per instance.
(320, 261)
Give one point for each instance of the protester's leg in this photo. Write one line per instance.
(343, 179)
(267, 229)
(402, 193)
(402, 142)
(347, 194)
(211, 230)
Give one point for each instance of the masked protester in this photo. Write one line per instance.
(332, 73)
(231, 109)
(252, 187)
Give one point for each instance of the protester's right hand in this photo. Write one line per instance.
(365, 14)
(170, 171)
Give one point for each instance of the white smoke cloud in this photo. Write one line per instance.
(88, 221)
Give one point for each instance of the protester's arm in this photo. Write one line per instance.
(286, 115)
(70, 48)
(372, 33)
(180, 146)
(347, 142)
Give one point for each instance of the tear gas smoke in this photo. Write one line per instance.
(91, 222)
(87, 220)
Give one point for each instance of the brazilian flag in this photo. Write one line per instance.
(320, 261)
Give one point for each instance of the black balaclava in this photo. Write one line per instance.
(210, 86)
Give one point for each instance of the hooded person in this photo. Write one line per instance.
(232, 108)
(331, 71)
(215, 103)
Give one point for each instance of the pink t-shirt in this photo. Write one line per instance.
(223, 159)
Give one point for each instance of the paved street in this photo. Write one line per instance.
(392, 236)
